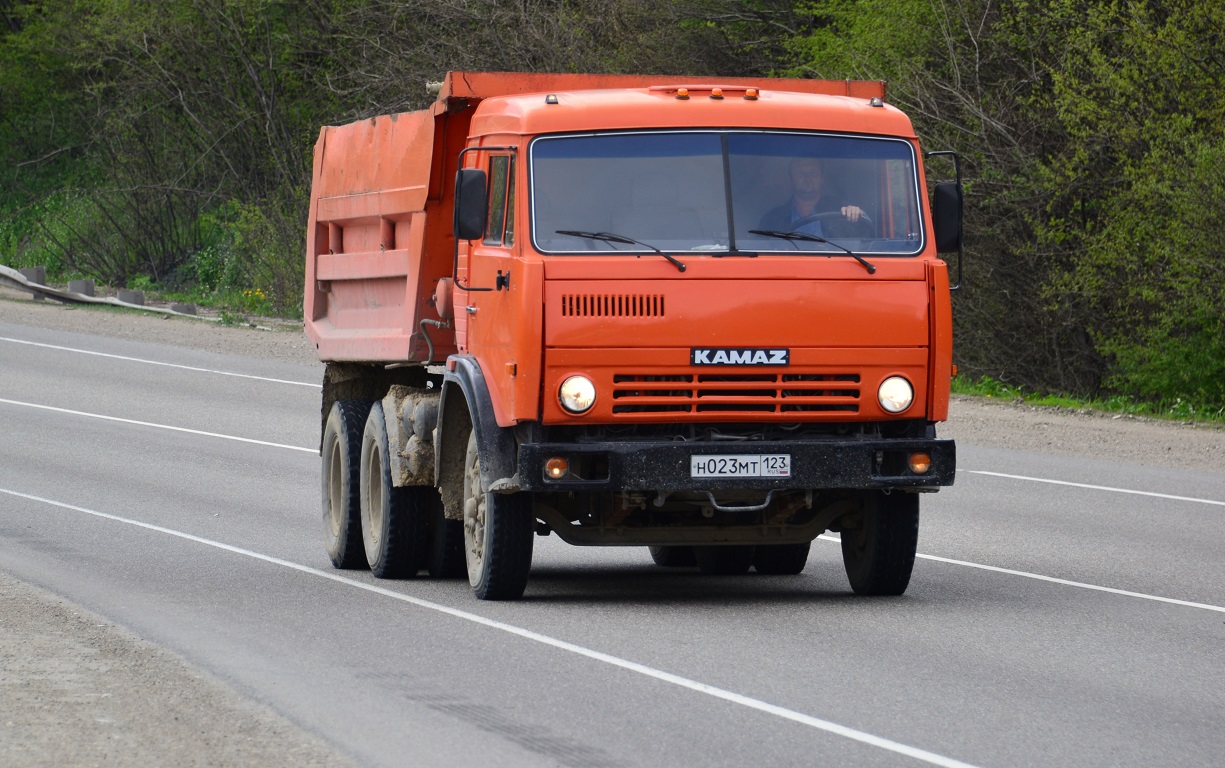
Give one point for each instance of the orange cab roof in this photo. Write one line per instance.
(661, 107)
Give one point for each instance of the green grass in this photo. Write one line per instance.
(1178, 409)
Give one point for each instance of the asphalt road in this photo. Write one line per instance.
(1063, 611)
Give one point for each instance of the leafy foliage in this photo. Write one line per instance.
(1090, 131)
(175, 137)
(170, 141)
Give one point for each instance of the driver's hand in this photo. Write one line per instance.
(852, 212)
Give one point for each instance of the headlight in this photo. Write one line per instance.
(576, 394)
(895, 394)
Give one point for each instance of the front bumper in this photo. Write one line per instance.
(841, 463)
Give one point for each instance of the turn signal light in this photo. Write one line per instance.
(556, 468)
(920, 463)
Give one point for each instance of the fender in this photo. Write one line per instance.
(464, 382)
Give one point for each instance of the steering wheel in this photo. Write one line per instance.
(833, 223)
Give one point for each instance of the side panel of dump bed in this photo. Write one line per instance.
(378, 237)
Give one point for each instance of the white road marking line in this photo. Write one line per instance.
(827, 538)
(159, 426)
(1094, 487)
(527, 634)
(1064, 582)
(157, 362)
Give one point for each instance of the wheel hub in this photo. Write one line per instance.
(336, 504)
(474, 517)
(374, 492)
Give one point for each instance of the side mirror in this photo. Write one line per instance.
(471, 204)
(946, 216)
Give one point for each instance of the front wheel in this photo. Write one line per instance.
(499, 529)
(879, 550)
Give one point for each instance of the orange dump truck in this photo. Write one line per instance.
(704, 317)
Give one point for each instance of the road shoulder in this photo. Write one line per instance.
(78, 690)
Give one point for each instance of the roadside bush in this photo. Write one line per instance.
(1155, 275)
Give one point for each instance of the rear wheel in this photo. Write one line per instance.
(879, 551)
(499, 529)
(781, 559)
(446, 556)
(730, 560)
(342, 447)
(393, 519)
(673, 557)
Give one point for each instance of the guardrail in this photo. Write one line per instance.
(83, 294)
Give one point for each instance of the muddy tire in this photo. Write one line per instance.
(445, 559)
(673, 557)
(394, 521)
(342, 447)
(498, 533)
(781, 559)
(879, 552)
(731, 560)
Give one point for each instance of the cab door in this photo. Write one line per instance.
(494, 318)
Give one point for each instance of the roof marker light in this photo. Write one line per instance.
(750, 94)
(716, 93)
(551, 98)
(682, 93)
(875, 102)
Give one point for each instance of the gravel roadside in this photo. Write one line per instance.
(78, 690)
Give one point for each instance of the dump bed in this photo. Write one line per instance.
(376, 240)
(379, 232)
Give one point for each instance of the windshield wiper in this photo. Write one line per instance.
(609, 237)
(815, 239)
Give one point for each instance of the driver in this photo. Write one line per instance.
(807, 184)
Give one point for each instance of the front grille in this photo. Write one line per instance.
(612, 305)
(736, 393)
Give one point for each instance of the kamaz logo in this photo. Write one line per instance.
(706, 356)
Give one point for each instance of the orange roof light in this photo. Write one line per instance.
(716, 93)
(750, 94)
(682, 93)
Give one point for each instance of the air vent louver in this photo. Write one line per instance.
(612, 305)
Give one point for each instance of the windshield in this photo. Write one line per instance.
(729, 192)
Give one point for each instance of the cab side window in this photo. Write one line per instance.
(500, 229)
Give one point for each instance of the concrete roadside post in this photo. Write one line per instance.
(36, 275)
(84, 287)
(131, 297)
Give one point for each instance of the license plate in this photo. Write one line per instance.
(767, 465)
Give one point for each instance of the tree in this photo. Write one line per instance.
(1089, 130)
